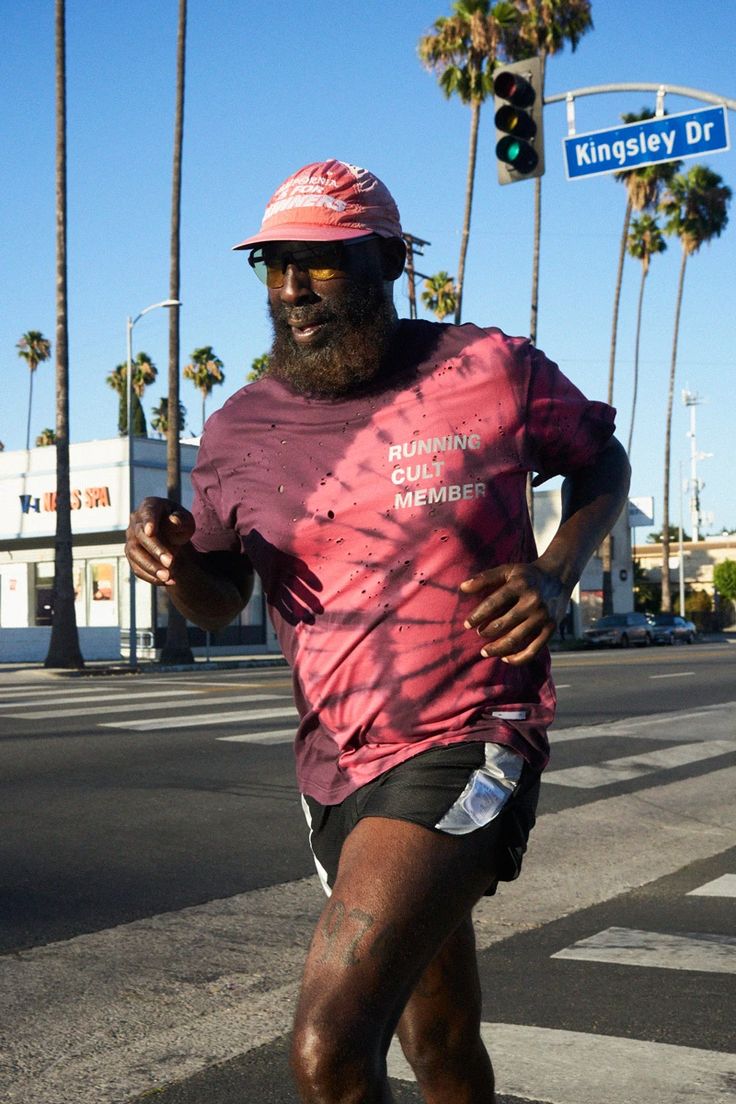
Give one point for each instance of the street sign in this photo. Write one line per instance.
(666, 138)
(641, 511)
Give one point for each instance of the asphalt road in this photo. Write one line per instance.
(115, 810)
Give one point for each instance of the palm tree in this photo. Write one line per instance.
(176, 647)
(205, 371)
(144, 373)
(644, 240)
(160, 419)
(440, 294)
(463, 50)
(258, 367)
(695, 207)
(46, 437)
(545, 28)
(643, 189)
(34, 348)
(64, 650)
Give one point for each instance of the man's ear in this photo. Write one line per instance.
(393, 255)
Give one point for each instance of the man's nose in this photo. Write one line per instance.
(297, 286)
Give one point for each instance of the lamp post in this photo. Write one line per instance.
(133, 645)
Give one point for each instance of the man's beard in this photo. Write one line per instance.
(361, 324)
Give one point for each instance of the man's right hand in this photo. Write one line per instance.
(158, 532)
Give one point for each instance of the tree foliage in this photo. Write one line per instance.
(258, 367)
(724, 579)
(440, 294)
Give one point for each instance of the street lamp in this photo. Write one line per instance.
(133, 644)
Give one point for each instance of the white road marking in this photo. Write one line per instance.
(571, 1067)
(135, 708)
(276, 736)
(725, 886)
(720, 716)
(87, 700)
(628, 767)
(674, 674)
(188, 720)
(563, 685)
(712, 954)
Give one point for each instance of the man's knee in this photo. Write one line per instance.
(443, 1046)
(334, 1058)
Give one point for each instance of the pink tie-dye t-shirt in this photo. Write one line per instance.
(362, 517)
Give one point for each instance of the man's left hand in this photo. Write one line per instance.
(521, 608)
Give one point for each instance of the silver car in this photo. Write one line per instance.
(668, 628)
(620, 630)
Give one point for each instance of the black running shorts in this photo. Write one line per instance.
(469, 787)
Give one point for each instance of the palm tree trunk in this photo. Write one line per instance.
(64, 648)
(30, 404)
(666, 589)
(617, 300)
(607, 545)
(472, 153)
(176, 648)
(636, 356)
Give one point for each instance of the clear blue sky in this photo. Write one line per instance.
(272, 87)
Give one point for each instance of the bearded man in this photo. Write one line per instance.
(375, 479)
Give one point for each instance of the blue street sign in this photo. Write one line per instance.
(666, 138)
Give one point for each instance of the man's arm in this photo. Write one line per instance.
(523, 603)
(209, 588)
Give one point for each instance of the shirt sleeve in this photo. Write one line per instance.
(564, 430)
(212, 534)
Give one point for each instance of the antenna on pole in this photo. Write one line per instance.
(691, 400)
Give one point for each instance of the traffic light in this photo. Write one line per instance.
(517, 91)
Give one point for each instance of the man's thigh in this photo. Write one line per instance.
(401, 890)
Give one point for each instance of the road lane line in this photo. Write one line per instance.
(674, 674)
(188, 720)
(634, 766)
(136, 708)
(274, 736)
(711, 954)
(725, 886)
(86, 702)
(573, 1067)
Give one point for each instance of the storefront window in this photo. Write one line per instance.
(43, 599)
(103, 604)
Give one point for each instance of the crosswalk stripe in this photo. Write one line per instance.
(725, 886)
(86, 701)
(712, 954)
(572, 1067)
(628, 767)
(136, 708)
(188, 720)
(276, 736)
(721, 715)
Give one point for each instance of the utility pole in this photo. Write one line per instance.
(413, 246)
(691, 400)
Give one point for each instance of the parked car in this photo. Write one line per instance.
(620, 629)
(668, 628)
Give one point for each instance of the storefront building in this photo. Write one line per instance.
(100, 510)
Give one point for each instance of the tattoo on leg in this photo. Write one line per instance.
(332, 926)
(365, 921)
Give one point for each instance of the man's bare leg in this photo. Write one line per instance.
(401, 892)
(439, 1031)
